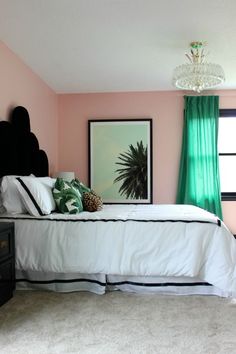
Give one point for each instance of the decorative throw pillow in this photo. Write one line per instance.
(36, 194)
(80, 186)
(67, 197)
(91, 201)
(11, 200)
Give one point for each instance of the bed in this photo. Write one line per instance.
(178, 249)
(171, 249)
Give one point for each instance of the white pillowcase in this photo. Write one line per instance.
(36, 194)
(11, 200)
(2, 209)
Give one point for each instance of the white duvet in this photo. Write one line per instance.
(139, 240)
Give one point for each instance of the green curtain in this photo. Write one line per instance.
(199, 181)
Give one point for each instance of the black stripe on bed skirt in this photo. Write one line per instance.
(60, 281)
(217, 222)
(157, 285)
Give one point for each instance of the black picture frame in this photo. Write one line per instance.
(120, 160)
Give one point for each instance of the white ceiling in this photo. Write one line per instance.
(117, 45)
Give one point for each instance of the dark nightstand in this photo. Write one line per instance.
(7, 261)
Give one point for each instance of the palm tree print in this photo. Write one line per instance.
(133, 172)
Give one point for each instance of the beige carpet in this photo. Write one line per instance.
(53, 323)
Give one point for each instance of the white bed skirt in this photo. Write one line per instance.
(101, 283)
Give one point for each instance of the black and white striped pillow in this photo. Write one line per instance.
(36, 194)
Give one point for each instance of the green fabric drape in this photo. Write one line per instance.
(199, 181)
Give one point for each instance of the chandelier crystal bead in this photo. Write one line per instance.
(197, 75)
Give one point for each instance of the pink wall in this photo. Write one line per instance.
(21, 87)
(166, 110)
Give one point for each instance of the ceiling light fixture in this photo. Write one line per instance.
(198, 75)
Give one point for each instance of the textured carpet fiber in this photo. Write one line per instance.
(53, 323)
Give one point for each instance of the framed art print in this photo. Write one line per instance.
(120, 160)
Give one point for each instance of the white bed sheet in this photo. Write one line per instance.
(130, 240)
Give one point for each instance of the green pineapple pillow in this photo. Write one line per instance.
(67, 198)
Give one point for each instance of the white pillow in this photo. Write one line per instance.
(11, 200)
(2, 209)
(36, 194)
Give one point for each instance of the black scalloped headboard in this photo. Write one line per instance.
(19, 148)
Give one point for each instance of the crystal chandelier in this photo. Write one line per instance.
(198, 75)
